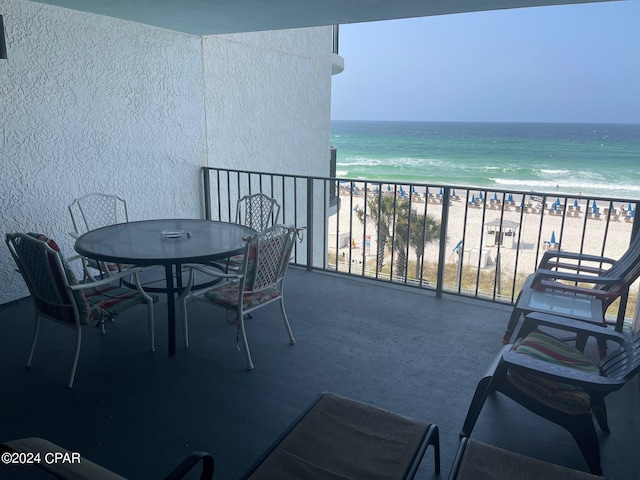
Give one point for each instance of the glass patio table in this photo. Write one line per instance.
(169, 243)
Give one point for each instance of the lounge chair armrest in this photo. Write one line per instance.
(561, 373)
(577, 290)
(585, 257)
(212, 271)
(110, 279)
(535, 319)
(576, 277)
(575, 267)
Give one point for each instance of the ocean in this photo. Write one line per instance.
(580, 159)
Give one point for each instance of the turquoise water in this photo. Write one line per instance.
(587, 159)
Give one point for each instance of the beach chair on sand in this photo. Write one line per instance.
(559, 282)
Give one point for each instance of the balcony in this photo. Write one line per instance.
(402, 349)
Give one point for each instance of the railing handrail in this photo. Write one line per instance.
(321, 239)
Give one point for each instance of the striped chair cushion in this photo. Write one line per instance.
(557, 395)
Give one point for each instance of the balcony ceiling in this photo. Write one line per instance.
(208, 17)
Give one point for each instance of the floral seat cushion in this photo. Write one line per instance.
(227, 296)
(560, 396)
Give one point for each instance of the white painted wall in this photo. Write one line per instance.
(91, 103)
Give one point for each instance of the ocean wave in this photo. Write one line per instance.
(568, 183)
(549, 171)
(351, 162)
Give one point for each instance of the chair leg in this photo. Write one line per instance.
(479, 398)
(485, 386)
(152, 329)
(584, 433)
(511, 326)
(150, 320)
(599, 409)
(292, 340)
(245, 343)
(76, 355)
(36, 330)
(185, 322)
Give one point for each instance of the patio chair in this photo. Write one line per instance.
(558, 382)
(548, 285)
(66, 465)
(257, 211)
(57, 294)
(478, 461)
(258, 282)
(94, 211)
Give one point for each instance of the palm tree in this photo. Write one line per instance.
(397, 226)
(384, 212)
(424, 230)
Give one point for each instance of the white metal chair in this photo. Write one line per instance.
(93, 211)
(57, 294)
(258, 282)
(257, 211)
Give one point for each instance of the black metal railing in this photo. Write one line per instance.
(472, 242)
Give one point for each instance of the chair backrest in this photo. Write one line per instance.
(623, 362)
(257, 211)
(48, 277)
(97, 210)
(267, 257)
(627, 268)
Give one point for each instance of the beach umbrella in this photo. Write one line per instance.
(473, 199)
(481, 196)
(558, 203)
(510, 198)
(594, 207)
(553, 237)
(630, 207)
(495, 196)
(413, 189)
(441, 191)
(453, 192)
(388, 187)
(458, 245)
(575, 203)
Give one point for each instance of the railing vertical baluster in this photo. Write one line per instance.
(310, 223)
(444, 221)
(207, 193)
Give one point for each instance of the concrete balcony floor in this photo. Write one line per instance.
(139, 413)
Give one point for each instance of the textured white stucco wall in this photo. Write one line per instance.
(91, 103)
(277, 87)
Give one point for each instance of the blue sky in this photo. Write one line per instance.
(569, 63)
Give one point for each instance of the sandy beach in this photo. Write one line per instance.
(526, 233)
